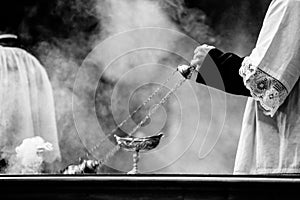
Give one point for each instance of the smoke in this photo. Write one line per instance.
(29, 156)
(120, 16)
(67, 31)
(62, 58)
(128, 31)
(64, 33)
(175, 150)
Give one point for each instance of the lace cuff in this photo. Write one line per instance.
(267, 90)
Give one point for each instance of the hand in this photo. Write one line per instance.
(199, 55)
(185, 70)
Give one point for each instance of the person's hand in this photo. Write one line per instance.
(199, 55)
(185, 70)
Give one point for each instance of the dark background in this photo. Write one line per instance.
(35, 21)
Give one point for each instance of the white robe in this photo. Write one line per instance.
(27, 107)
(270, 138)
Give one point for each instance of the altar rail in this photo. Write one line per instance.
(149, 187)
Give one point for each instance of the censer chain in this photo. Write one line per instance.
(152, 111)
(132, 114)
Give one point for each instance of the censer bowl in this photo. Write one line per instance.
(143, 144)
(136, 145)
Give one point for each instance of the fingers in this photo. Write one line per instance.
(195, 62)
(198, 59)
(203, 48)
(200, 54)
(185, 70)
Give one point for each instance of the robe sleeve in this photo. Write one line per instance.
(273, 67)
(228, 65)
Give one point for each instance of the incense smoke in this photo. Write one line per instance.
(29, 156)
(92, 33)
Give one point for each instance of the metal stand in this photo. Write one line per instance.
(136, 158)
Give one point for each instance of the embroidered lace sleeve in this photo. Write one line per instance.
(270, 92)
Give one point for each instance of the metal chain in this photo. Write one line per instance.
(130, 115)
(152, 111)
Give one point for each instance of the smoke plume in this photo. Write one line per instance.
(67, 36)
(29, 156)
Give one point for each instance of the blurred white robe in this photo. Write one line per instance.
(270, 138)
(27, 107)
